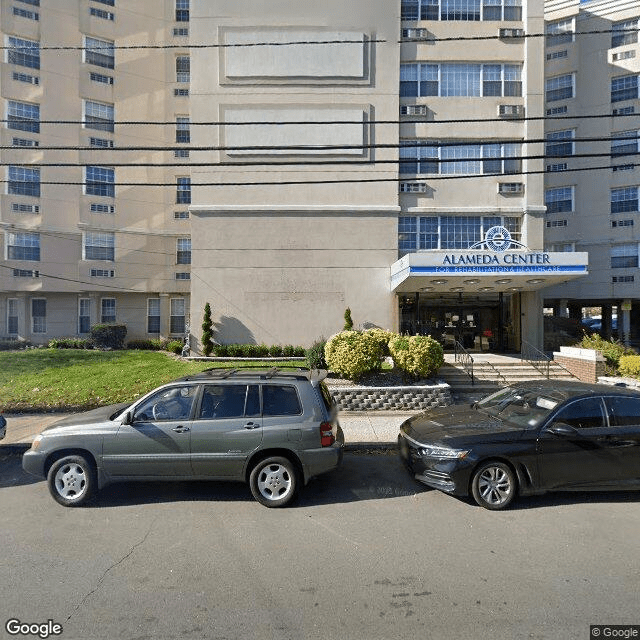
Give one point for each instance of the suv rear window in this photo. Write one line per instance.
(280, 400)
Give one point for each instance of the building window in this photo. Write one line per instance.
(99, 52)
(182, 10)
(24, 13)
(624, 142)
(111, 3)
(12, 316)
(24, 53)
(84, 315)
(560, 88)
(624, 199)
(24, 181)
(460, 79)
(153, 315)
(183, 69)
(429, 157)
(183, 132)
(101, 78)
(177, 319)
(101, 13)
(560, 144)
(183, 190)
(99, 245)
(423, 233)
(98, 115)
(39, 315)
(559, 32)
(108, 310)
(100, 181)
(625, 32)
(183, 251)
(181, 215)
(624, 88)
(624, 256)
(466, 10)
(559, 199)
(183, 275)
(23, 116)
(23, 245)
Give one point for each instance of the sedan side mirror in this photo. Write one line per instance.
(128, 418)
(563, 429)
(3, 421)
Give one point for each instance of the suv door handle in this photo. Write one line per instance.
(252, 425)
(181, 429)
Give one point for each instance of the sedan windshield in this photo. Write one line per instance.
(524, 407)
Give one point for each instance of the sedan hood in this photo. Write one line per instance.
(95, 416)
(455, 425)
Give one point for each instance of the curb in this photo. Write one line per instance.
(359, 447)
(16, 449)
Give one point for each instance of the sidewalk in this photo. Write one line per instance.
(361, 429)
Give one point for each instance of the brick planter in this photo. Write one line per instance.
(586, 364)
(413, 398)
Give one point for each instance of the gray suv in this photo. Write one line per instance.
(274, 429)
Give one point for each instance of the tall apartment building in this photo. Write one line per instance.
(84, 239)
(382, 156)
(404, 185)
(592, 69)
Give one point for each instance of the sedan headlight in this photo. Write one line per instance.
(36, 442)
(444, 452)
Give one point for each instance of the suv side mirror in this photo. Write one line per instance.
(563, 430)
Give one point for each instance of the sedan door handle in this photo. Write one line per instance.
(252, 425)
(181, 429)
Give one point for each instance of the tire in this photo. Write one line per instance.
(274, 482)
(72, 481)
(494, 485)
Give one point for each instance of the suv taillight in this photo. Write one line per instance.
(326, 434)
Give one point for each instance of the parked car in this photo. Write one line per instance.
(527, 439)
(274, 429)
(3, 427)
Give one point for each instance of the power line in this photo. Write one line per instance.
(213, 123)
(343, 180)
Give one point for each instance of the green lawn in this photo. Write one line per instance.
(45, 379)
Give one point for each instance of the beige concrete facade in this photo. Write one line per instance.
(602, 215)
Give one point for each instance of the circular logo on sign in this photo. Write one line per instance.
(498, 239)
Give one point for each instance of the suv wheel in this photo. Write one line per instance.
(274, 482)
(72, 481)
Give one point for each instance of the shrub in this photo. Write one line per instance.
(288, 350)
(299, 352)
(353, 353)
(417, 356)
(348, 322)
(382, 338)
(108, 336)
(612, 350)
(629, 366)
(234, 350)
(261, 351)
(154, 344)
(275, 351)
(174, 346)
(221, 350)
(70, 343)
(207, 335)
(315, 355)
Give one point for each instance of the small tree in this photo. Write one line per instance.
(348, 322)
(207, 335)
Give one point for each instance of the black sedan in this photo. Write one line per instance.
(529, 438)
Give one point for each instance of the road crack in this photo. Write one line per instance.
(108, 569)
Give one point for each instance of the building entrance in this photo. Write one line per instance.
(478, 323)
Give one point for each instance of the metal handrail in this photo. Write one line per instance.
(536, 358)
(460, 354)
(497, 373)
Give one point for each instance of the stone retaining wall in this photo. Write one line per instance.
(392, 398)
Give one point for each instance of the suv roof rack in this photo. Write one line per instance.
(288, 371)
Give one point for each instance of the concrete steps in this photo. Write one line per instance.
(488, 376)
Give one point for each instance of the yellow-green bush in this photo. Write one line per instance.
(382, 338)
(418, 356)
(354, 353)
(629, 366)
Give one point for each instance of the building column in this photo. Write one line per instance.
(24, 326)
(531, 319)
(165, 313)
(624, 322)
(606, 320)
(561, 310)
(575, 311)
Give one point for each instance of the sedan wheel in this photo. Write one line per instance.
(493, 485)
(72, 481)
(274, 482)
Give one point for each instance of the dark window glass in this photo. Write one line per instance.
(582, 414)
(623, 411)
(279, 400)
(223, 401)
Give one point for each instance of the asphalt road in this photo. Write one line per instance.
(365, 553)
